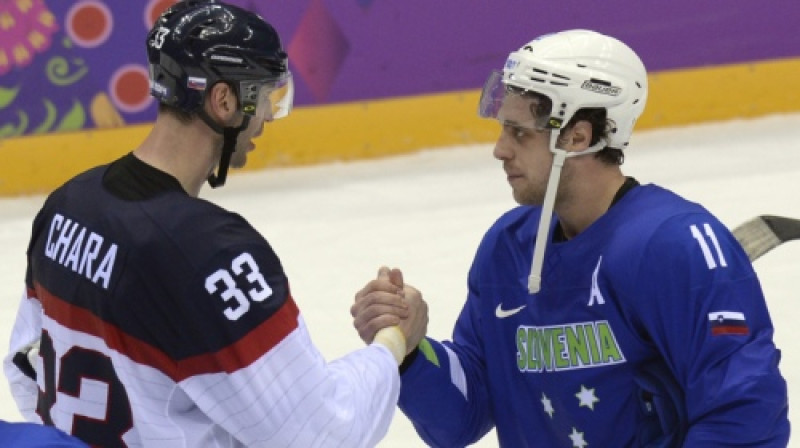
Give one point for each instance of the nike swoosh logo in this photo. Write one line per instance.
(502, 314)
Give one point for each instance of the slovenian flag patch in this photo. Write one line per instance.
(727, 322)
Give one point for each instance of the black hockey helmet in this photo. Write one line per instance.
(195, 44)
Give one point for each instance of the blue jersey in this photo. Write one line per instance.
(650, 328)
(33, 435)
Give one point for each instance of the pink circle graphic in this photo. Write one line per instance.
(129, 88)
(154, 9)
(88, 23)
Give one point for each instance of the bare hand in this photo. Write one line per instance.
(415, 326)
(379, 304)
(387, 301)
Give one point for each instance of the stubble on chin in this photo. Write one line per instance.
(528, 196)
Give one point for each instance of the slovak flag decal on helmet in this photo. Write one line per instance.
(196, 83)
(727, 322)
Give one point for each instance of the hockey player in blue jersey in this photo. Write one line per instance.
(601, 312)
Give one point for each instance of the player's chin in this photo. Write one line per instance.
(239, 159)
(527, 197)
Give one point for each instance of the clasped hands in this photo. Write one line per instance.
(386, 301)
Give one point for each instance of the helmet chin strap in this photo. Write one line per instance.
(229, 136)
(543, 232)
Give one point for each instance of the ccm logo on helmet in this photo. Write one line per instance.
(601, 87)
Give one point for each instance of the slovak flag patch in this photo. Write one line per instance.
(727, 322)
(196, 83)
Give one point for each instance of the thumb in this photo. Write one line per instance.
(383, 272)
(396, 277)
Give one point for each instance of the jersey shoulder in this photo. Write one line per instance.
(518, 225)
(654, 230)
(174, 271)
(200, 227)
(649, 214)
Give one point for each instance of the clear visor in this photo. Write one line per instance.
(511, 104)
(267, 101)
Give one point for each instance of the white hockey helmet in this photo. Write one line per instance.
(576, 69)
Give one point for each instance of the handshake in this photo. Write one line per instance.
(391, 313)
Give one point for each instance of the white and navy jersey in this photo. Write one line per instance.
(650, 328)
(167, 321)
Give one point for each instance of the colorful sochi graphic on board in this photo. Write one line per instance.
(73, 65)
(81, 64)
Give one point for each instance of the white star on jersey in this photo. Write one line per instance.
(577, 438)
(548, 405)
(587, 397)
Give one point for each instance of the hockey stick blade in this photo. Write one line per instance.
(766, 232)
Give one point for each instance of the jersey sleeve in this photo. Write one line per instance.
(444, 390)
(254, 370)
(291, 396)
(703, 307)
(26, 330)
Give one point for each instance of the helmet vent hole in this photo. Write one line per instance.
(556, 75)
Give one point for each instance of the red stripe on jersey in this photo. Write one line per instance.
(240, 354)
(248, 349)
(729, 329)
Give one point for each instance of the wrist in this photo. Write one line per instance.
(393, 339)
(409, 359)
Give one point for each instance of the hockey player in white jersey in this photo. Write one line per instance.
(163, 320)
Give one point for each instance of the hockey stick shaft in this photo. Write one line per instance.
(766, 232)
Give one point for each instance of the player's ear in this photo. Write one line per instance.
(577, 137)
(222, 102)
